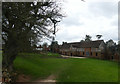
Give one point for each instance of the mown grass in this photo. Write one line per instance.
(37, 66)
(0, 57)
(90, 70)
(67, 70)
(0, 63)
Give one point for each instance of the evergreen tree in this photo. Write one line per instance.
(88, 38)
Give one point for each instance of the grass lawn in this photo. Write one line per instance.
(0, 56)
(67, 70)
(0, 63)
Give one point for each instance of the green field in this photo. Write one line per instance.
(66, 70)
(0, 63)
(0, 56)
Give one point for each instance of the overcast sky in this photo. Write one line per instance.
(91, 17)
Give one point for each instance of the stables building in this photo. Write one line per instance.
(93, 49)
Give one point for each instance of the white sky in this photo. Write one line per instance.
(91, 17)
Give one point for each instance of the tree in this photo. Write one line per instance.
(44, 46)
(118, 42)
(82, 41)
(88, 38)
(119, 48)
(54, 46)
(23, 24)
(110, 43)
(98, 36)
(110, 48)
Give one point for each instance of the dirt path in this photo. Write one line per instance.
(50, 78)
(24, 78)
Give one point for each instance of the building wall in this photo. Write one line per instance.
(87, 52)
(96, 55)
(114, 57)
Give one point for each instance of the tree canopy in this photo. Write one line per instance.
(24, 24)
(54, 46)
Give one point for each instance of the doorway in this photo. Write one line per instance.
(87, 54)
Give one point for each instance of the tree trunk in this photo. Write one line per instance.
(9, 53)
(8, 59)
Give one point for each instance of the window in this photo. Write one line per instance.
(91, 53)
(83, 53)
(81, 49)
(96, 54)
(87, 54)
(112, 57)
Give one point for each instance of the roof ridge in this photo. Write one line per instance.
(84, 44)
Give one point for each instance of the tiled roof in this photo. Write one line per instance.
(84, 44)
(65, 46)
